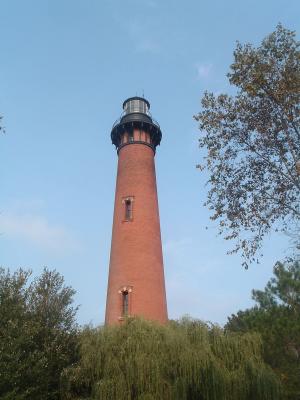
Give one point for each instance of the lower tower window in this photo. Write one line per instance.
(125, 303)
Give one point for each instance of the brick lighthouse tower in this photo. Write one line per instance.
(136, 285)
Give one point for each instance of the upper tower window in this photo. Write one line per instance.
(128, 209)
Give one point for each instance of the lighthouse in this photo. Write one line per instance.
(136, 285)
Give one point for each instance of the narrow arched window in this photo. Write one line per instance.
(128, 209)
(131, 138)
(125, 295)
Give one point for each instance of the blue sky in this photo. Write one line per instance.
(66, 67)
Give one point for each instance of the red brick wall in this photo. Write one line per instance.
(136, 260)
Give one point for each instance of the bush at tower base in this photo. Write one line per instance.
(181, 360)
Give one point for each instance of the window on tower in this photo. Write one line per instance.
(128, 209)
(125, 295)
(131, 136)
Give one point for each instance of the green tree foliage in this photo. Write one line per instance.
(253, 144)
(182, 360)
(277, 318)
(38, 334)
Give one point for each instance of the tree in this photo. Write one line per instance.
(253, 144)
(277, 318)
(38, 334)
(182, 360)
(282, 290)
